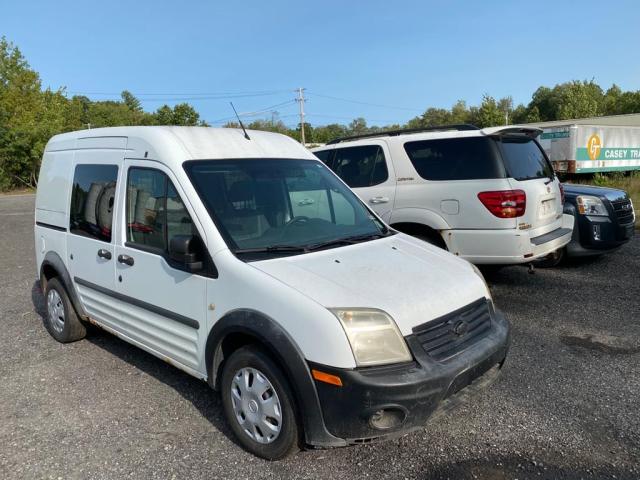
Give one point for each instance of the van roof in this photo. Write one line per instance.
(171, 145)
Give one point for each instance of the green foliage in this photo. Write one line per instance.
(30, 115)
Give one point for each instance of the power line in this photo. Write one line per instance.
(365, 103)
(254, 113)
(349, 118)
(194, 97)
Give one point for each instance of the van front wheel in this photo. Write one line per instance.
(258, 404)
(61, 320)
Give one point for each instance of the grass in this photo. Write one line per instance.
(629, 182)
(18, 191)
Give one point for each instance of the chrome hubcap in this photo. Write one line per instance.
(256, 405)
(55, 309)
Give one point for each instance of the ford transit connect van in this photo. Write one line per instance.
(247, 263)
(489, 196)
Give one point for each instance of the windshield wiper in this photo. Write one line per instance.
(273, 249)
(346, 241)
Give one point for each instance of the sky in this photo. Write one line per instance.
(386, 61)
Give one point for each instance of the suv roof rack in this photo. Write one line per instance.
(393, 133)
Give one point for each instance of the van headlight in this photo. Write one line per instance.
(374, 337)
(589, 205)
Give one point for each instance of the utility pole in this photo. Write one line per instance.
(301, 101)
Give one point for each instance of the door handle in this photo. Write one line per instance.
(376, 200)
(106, 254)
(126, 259)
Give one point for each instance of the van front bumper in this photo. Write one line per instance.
(383, 402)
(509, 246)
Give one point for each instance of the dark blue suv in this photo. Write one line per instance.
(604, 220)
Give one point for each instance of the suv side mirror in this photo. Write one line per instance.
(186, 250)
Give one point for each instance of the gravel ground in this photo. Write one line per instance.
(567, 405)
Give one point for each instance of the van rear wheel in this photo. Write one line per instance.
(258, 404)
(61, 319)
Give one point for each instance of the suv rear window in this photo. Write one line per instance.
(456, 158)
(524, 159)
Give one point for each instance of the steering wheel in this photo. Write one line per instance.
(298, 219)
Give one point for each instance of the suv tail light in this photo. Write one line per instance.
(505, 203)
(561, 193)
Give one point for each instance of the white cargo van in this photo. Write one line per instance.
(489, 196)
(247, 263)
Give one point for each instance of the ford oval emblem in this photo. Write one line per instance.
(460, 328)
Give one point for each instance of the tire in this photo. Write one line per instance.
(250, 365)
(552, 260)
(61, 319)
(434, 239)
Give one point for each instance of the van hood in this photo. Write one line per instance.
(411, 280)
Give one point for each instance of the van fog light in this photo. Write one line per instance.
(387, 418)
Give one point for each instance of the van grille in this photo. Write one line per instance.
(451, 334)
(623, 210)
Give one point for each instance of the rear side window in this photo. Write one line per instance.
(456, 158)
(155, 212)
(324, 156)
(524, 159)
(92, 201)
(360, 166)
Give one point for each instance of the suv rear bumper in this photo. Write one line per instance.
(512, 246)
(410, 393)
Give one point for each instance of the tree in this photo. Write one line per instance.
(358, 126)
(505, 105)
(182, 114)
(28, 118)
(489, 114)
(131, 101)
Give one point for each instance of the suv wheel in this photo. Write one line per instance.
(432, 238)
(552, 260)
(61, 320)
(258, 404)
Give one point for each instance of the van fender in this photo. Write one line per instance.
(53, 261)
(270, 335)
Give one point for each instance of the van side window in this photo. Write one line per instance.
(92, 201)
(360, 166)
(155, 211)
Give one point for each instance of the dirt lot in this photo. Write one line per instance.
(567, 406)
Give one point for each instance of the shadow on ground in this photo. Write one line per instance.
(195, 391)
(512, 467)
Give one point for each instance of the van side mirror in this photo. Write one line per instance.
(186, 250)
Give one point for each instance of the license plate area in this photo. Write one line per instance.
(547, 208)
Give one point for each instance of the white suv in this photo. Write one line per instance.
(489, 196)
(244, 261)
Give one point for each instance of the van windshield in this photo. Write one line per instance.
(281, 206)
(524, 159)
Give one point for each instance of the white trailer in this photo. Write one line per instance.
(593, 145)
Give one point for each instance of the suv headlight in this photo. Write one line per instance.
(589, 205)
(373, 335)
